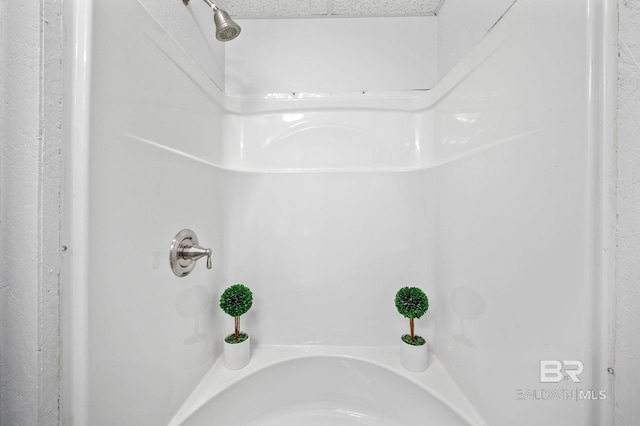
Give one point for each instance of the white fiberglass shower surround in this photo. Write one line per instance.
(328, 162)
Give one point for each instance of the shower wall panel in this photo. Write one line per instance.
(371, 132)
(192, 27)
(476, 18)
(327, 219)
(332, 55)
(517, 219)
(155, 119)
(325, 253)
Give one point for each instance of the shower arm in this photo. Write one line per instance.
(211, 5)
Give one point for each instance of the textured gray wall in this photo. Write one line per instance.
(627, 390)
(30, 177)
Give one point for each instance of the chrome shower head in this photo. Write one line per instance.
(226, 28)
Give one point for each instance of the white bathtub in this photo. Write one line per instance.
(307, 386)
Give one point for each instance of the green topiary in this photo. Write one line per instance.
(236, 301)
(412, 303)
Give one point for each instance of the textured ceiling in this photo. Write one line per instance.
(310, 8)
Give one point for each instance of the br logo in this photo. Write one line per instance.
(553, 371)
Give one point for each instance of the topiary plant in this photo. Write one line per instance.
(412, 303)
(236, 301)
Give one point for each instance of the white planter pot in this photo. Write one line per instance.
(237, 355)
(413, 358)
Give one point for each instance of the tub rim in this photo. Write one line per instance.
(435, 381)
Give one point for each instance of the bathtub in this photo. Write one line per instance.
(306, 386)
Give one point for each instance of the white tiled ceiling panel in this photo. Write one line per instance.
(274, 8)
(384, 7)
(308, 8)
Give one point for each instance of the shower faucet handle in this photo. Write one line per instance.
(195, 252)
(185, 252)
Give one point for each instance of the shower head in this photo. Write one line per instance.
(226, 28)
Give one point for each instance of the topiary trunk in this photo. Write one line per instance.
(411, 329)
(236, 322)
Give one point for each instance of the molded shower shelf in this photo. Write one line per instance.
(433, 389)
